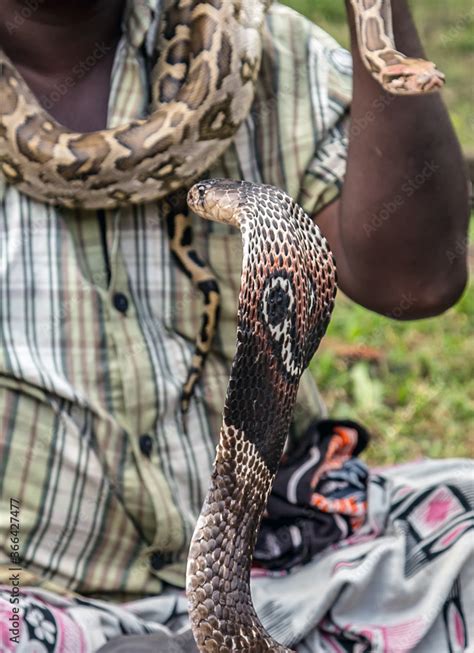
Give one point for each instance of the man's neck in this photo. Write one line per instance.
(52, 36)
(65, 52)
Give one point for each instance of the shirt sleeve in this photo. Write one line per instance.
(330, 86)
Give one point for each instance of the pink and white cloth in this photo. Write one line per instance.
(404, 582)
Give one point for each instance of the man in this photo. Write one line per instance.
(98, 322)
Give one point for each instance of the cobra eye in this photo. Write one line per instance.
(202, 192)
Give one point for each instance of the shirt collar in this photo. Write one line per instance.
(140, 16)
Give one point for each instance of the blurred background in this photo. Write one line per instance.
(410, 383)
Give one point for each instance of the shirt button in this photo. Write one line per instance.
(146, 445)
(120, 302)
(157, 561)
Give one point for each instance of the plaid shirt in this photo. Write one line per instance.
(97, 329)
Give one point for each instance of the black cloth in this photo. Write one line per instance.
(293, 530)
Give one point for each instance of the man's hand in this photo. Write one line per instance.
(404, 208)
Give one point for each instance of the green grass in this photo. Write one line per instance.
(447, 31)
(410, 383)
(414, 389)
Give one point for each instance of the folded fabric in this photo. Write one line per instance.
(318, 498)
(404, 583)
(165, 642)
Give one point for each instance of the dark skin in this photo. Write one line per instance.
(58, 39)
(402, 268)
(398, 265)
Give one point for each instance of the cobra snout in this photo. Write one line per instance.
(217, 199)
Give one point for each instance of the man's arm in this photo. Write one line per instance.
(404, 208)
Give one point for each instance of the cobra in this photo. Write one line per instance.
(208, 58)
(288, 287)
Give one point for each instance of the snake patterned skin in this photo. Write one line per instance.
(208, 56)
(288, 287)
(180, 232)
(207, 59)
(397, 73)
